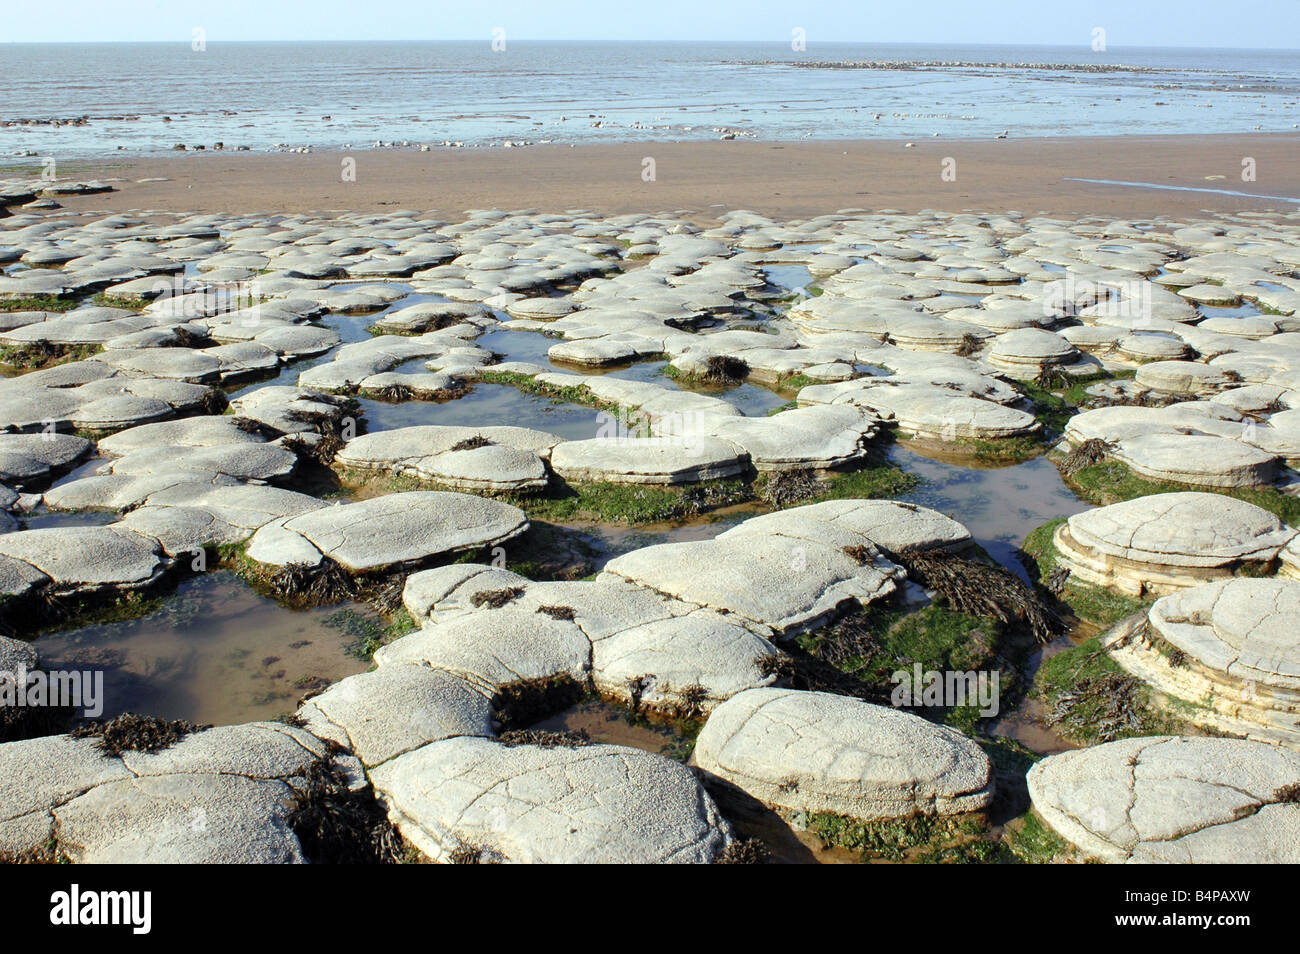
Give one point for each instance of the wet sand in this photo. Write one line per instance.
(779, 179)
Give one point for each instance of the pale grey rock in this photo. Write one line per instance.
(493, 649)
(1163, 799)
(1165, 542)
(654, 460)
(380, 714)
(592, 804)
(83, 559)
(818, 752)
(696, 661)
(405, 527)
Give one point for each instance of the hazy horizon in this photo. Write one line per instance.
(1199, 24)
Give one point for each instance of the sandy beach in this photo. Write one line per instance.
(780, 179)
(679, 451)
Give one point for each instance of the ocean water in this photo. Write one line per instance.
(144, 98)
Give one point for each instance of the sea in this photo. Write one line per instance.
(93, 100)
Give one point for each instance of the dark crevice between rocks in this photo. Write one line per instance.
(520, 705)
(545, 738)
(33, 721)
(339, 823)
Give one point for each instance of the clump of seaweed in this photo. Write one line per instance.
(471, 443)
(1057, 579)
(751, 851)
(339, 824)
(724, 369)
(1092, 451)
(467, 854)
(1107, 705)
(395, 393)
(545, 738)
(860, 553)
(305, 584)
(1288, 794)
(1052, 378)
(970, 345)
(250, 426)
(214, 401)
(132, 732)
(495, 599)
(189, 338)
(981, 589)
(786, 487)
(558, 612)
(690, 702)
(702, 497)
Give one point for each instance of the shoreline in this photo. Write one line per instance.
(787, 179)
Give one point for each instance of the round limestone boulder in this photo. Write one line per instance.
(1030, 350)
(697, 660)
(84, 559)
(653, 460)
(396, 708)
(492, 649)
(1230, 650)
(1176, 800)
(1166, 542)
(818, 752)
(404, 528)
(1197, 459)
(592, 804)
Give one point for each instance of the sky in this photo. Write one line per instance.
(1204, 23)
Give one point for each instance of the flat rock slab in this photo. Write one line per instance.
(402, 528)
(1165, 542)
(1197, 459)
(1248, 629)
(396, 708)
(467, 458)
(25, 457)
(1172, 800)
(590, 804)
(891, 525)
(769, 578)
(180, 819)
(818, 752)
(87, 558)
(696, 660)
(653, 460)
(813, 437)
(494, 648)
(929, 411)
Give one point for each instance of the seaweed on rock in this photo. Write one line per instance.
(132, 732)
(982, 589)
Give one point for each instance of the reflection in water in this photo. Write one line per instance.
(487, 405)
(998, 505)
(215, 652)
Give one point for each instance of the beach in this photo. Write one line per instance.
(649, 453)
(783, 179)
